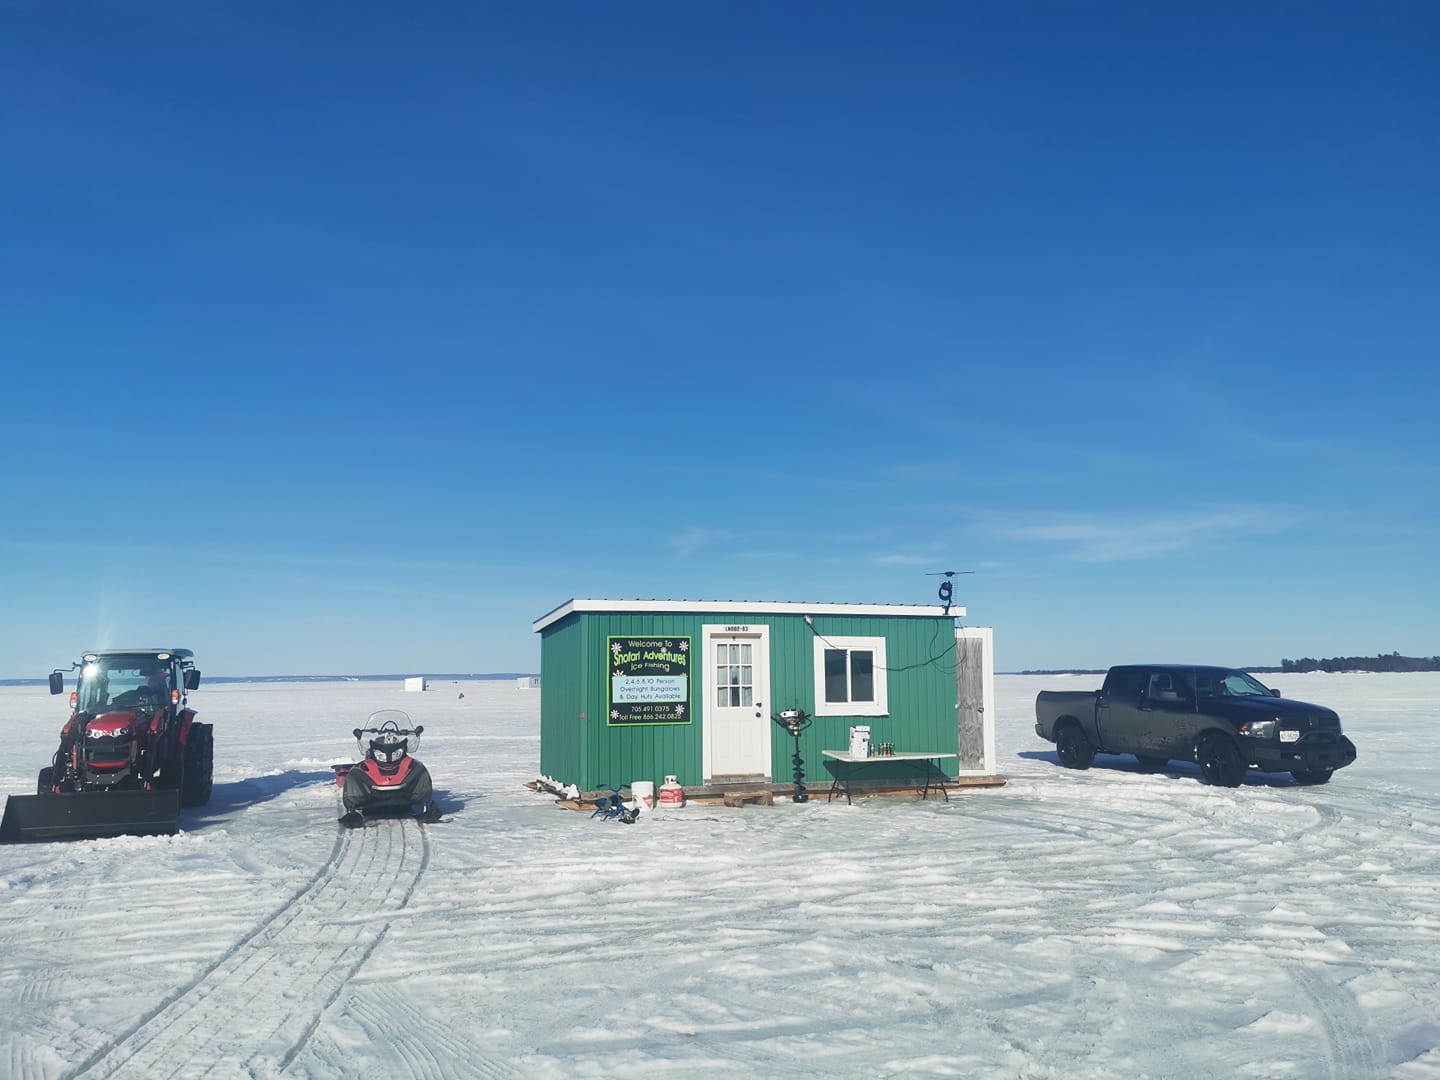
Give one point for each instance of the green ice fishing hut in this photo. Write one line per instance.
(641, 689)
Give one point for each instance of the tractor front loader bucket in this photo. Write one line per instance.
(89, 815)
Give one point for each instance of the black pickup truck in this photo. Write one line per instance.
(1222, 719)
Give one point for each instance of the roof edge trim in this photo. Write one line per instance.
(757, 607)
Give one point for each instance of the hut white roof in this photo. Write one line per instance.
(742, 607)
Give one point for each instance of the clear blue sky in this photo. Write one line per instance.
(353, 338)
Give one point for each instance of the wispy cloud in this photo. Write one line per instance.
(691, 540)
(902, 560)
(1092, 541)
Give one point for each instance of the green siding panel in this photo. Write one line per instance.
(578, 746)
(620, 754)
(920, 663)
(561, 665)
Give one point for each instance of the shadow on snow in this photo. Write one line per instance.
(232, 797)
(1127, 763)
(237, 795)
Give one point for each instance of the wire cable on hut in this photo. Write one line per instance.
(946, 593)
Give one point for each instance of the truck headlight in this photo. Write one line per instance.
(1259, 729)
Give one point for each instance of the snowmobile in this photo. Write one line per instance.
(387, 781)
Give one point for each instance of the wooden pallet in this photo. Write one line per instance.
(765, 794)
(743, 798)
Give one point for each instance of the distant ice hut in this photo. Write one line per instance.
(416, 683)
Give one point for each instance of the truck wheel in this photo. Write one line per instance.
(45, 784)
(196, 780)
(1312, 776)
(1073, 747)
(1220, 760)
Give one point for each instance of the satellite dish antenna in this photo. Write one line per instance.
(947, 587)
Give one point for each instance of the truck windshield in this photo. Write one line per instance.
(1228, 684)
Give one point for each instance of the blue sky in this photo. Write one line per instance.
(353, 338)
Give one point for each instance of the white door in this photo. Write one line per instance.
(737, 695)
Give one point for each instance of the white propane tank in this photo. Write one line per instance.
(860, 740)
(643, 792)
(671, 793)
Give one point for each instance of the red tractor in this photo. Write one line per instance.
(131, 754)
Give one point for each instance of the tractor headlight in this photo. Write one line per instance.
(1259, 729)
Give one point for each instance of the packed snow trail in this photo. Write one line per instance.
(226, 1019)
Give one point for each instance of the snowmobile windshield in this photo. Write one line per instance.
(390, 731)
(397, 718)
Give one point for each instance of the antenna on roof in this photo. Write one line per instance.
(947, 587)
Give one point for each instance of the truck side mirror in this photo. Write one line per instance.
(57, 682)
(192, 678)
(1274, 692)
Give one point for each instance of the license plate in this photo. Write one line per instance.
(1289, 736)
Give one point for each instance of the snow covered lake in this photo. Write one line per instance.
(1070, 924)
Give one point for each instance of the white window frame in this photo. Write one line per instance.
(876, 647)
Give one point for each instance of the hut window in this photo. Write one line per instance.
(734, 674)
(850, 676)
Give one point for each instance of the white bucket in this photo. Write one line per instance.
(860, 740)
(643, 793)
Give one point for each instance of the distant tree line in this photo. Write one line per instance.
(1391, 662)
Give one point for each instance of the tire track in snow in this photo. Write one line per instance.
(255, 1007)
(420, 1050)
(20, 1063)
(1351, 1050)
(181, 999)
(40, 926)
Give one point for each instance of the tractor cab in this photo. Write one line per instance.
(130, 680)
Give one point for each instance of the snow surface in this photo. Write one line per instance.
(1070, 924)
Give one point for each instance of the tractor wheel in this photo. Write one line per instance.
(45, 784)
(196, 780)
